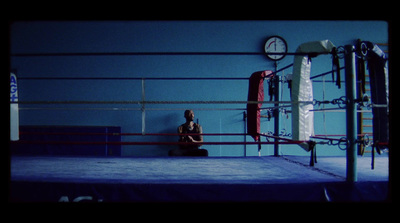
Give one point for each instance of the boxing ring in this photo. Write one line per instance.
(209, 179)
(193, 179)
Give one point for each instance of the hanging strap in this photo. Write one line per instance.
(361, 73)
(271, 89)
(362, 52)
(335, 67)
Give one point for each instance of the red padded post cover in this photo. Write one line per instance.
(256, 93)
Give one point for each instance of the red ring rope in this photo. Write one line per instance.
(152, 143)
(131, 134)
(287, 141)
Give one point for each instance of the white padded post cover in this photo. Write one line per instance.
(14, 116)
(302, 90)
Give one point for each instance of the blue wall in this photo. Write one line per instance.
(170, 36)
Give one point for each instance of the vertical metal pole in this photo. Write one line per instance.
(245, 131)
(106, 146)
(276, 111)
(351, 114)
(143, 109)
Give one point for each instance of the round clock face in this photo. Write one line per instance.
(275, 44)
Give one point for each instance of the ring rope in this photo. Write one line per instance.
(312, 54)
(342, 143)
(279, 138)
(132, 134)
(148, 109)
(131, 109)
(173, 134)
(151, 143)
(165, 102)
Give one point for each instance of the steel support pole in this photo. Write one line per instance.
(276, 111)
(143, 108)
(351, 114)
(245, 132)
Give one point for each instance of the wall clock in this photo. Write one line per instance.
(275, 44)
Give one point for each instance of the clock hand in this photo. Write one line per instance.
(270, 44)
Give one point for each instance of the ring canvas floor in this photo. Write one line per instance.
(194, 179)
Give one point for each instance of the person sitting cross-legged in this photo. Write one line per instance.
(187, 128)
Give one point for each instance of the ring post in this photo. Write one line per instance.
(351, 114)
(14, 114)
(245, 132)
(276, 111)
(143, 108)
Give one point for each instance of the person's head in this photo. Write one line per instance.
(189, 115)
